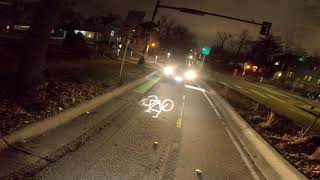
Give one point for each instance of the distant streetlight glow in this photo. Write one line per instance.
(153, 45)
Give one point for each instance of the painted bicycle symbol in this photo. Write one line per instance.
(155, 104)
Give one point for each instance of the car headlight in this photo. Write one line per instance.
(190, 75)
(168, 70)
(178, 78)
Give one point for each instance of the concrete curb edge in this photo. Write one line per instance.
(268, 160)
(62, 118)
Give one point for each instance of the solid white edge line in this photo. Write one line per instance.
(243, 156)
(212, 105)
(209, 100)
(195, 88)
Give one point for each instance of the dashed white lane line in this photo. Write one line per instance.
(243, 156)
(276, 98)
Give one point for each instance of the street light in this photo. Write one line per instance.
(153, 45)
(245, 67)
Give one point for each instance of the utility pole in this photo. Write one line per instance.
(146, 47)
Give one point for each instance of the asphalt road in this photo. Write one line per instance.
(188, 136)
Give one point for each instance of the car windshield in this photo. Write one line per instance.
(159, 89)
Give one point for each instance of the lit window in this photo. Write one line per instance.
(309, 78)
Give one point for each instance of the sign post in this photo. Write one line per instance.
(205, 51)
(111, 35)
(124, 55)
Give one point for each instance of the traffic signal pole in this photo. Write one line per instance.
(141, 60)
(265, 26)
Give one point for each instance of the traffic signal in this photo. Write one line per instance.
(265, 29)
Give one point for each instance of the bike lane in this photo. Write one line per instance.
(140, 146)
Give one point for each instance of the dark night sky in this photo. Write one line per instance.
(292, 19)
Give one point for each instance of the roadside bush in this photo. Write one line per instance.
(76, 43)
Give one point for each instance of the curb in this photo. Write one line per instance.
(270, 163)
(62, 118)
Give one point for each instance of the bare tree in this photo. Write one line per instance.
(173, 36)
(243, 38)
(222, 38)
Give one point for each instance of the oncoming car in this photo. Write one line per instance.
(179, 74)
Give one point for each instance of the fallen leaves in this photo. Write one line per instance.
(54, 96)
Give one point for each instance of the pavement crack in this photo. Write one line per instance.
(30, 154)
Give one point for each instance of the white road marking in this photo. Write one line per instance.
(276, 98)
(195, 88)
(239, 87)
(243, 156)
(155, 104)
(210, 102)
(225, 84)
(256, 92)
